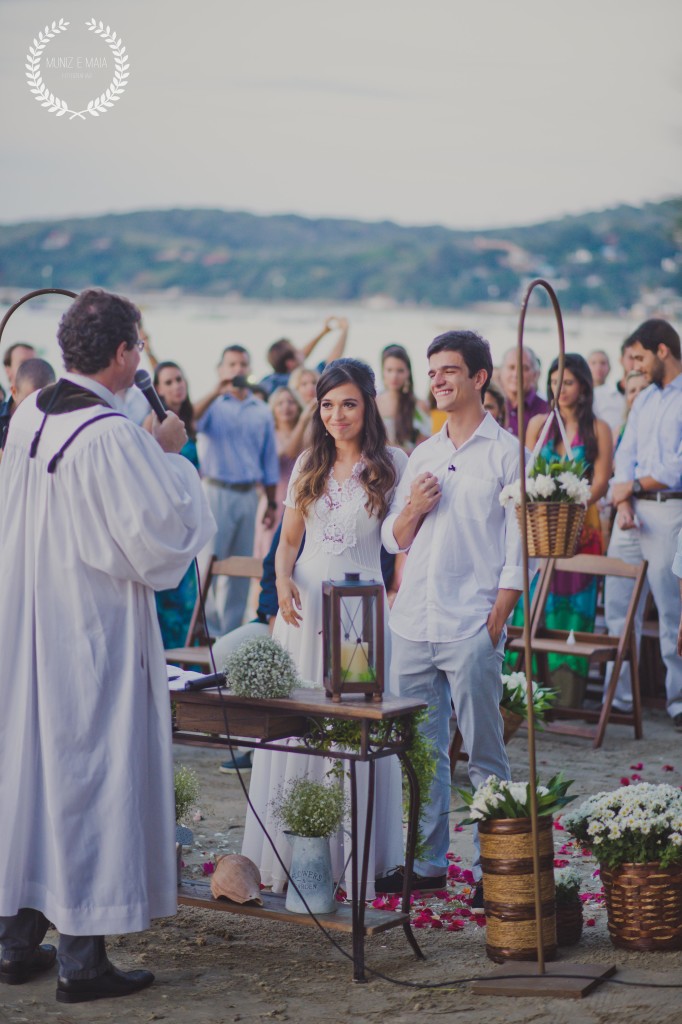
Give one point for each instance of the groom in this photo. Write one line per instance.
(462, 578)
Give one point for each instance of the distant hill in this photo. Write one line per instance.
(607, 260)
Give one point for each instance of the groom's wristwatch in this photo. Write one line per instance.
(637, 488)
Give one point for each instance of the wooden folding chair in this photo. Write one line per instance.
(513, 633)
(596, 647)
(196, 650)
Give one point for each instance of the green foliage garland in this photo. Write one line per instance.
(331, 732)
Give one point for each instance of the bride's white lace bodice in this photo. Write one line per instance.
(334, 518)
(338, 524)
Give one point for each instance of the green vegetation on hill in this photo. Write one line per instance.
(607, 260)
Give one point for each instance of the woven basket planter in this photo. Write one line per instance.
(509, 894)
(512, 723)
(644, 905)
(553, 528)
(569, 923)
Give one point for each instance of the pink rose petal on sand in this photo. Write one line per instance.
(590, 923)
(459, 828)
(559, 827)
(637, 767)
(467, 876)
(625, 781)
(668, 768)
(635, 778)
(456, 926)
(208, 867)
(559, 863)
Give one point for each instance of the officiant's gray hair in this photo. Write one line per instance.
(93, 327)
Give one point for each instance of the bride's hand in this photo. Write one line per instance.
(289, 601)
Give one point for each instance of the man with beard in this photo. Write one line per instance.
(647, 494)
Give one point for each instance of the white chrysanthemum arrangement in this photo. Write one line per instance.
(497, 798)
(261, 668)
(553, 479)
(632, 825)
(515, 696)
(304, 807)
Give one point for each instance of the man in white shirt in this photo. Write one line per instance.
(462, 578)
(647, 493)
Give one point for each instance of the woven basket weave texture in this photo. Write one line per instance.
(644, 905)
(553, 528)
(507, 863)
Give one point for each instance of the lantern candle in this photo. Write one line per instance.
(355, 660)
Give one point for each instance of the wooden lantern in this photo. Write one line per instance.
(353, 637)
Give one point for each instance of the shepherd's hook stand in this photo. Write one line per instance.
(561, 980)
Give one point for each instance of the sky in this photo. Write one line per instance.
(467, 114)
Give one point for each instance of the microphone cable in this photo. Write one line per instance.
(454, 982)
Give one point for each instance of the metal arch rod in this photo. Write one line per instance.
(532, 769)
(32, 295)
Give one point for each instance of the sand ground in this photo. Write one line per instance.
(214, 968)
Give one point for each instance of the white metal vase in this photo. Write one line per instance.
(311, 870)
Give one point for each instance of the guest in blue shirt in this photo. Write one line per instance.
(237, 454)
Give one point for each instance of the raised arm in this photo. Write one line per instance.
(328, 326)
(339, 346)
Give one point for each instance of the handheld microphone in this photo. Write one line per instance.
(144, 382)
(207, 682)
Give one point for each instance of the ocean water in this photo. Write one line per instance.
(194, 331)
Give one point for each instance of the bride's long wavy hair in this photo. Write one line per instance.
(378, 476)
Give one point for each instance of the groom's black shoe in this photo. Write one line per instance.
(16, 972)
(393, 882)
(110, 985)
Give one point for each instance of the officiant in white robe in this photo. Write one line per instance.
(87, 814)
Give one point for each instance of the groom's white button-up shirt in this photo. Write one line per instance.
(468, 546)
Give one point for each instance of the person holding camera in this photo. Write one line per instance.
(237, 454)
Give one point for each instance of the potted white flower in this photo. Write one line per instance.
(635, 833)
(310, 812)
(569, 909)
(186, 784)
(501, 810)
(557, 496)
(514, 703)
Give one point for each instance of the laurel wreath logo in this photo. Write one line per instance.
(53, 103)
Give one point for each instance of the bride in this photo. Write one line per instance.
(339, 492)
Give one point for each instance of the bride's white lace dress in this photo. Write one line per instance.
(340, 537)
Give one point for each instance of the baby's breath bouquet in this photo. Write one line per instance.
(515, 696)
(308, 808)
(554, 479)
(497, 798)
(261, 668)
(631, 825)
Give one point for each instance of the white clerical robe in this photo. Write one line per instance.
(87, 818)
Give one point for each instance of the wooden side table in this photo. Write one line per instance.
(209, 717)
